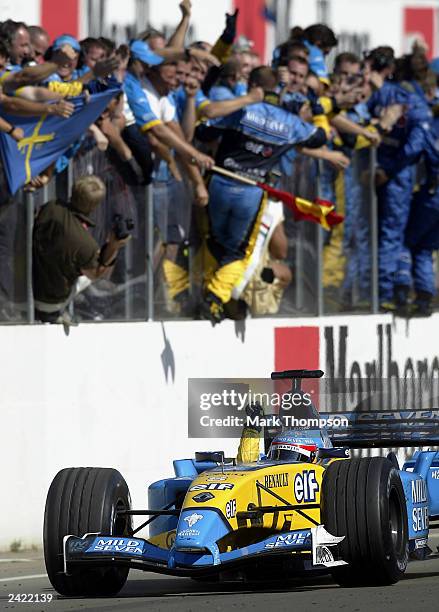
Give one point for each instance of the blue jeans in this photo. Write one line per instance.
(232, 209)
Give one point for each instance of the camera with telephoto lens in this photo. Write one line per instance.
(122, 227)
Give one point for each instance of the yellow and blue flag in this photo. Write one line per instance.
(47, 137)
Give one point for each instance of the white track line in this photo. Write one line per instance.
(15, 578)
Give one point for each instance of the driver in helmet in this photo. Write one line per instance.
(292, 445)
(289, 445)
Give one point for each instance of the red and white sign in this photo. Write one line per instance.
(420, 24)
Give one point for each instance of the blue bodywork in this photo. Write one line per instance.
(195, 550)
(420, 478)
(144, 555)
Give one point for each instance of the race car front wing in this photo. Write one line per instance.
(313, 549)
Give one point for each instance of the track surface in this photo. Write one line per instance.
(419, 591)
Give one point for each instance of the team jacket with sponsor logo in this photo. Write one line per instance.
(256, 137)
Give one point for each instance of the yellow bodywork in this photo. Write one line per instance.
(247, 487)
(264, 486)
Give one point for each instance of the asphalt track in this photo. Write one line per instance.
(418, 591)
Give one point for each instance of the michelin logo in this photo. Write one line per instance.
(324, 556)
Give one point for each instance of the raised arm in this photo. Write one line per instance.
(189, 118)
(178, 38)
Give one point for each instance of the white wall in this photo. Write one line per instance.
(382, 20)
(303, 13)
(208, 16)
(20, 10)
(100, 396)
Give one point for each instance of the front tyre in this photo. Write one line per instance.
(363, 500)
(79, 501)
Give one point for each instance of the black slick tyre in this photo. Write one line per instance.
(363, 500)
(80, 501)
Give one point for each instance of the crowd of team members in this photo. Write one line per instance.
(207, 124)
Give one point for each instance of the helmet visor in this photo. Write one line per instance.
(288, 452)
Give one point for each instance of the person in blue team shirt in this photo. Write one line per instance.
(254, 139)
(20, 71)
(228, 85)
(180, 97)
(147, 85)
(67, 72)
(292, 73)
(356, 242)
(292, 86)
(283, 52)
(319, 40)
(146, 119)
(422, 233)
(396, 173)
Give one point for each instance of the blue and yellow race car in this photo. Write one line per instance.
(304, 506)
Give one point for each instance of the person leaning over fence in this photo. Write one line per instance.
(254, 139)
(64, 250)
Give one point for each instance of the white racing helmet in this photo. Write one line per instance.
(291, 446)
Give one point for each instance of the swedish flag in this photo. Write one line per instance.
(47, 137)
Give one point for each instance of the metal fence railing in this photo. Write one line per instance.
(332, 271)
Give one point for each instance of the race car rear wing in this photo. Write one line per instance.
(372, 413)
(296, 374)
(383, 429)
(377, 429)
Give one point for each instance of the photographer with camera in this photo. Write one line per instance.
(64, 250)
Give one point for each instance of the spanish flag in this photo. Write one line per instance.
(319, 211)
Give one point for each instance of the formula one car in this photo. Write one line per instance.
(357, 518)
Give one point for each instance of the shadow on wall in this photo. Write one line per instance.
(240, 330)
(167, 357)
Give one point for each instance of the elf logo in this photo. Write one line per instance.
(306, 486)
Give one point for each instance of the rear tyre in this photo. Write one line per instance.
(363, 500)
(79, 501)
